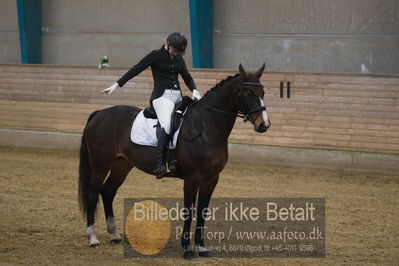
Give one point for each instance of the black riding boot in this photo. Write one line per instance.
(160, 168)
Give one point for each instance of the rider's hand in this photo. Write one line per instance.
(110, 89)
(196, 95)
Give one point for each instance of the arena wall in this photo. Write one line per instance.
(349, 115)
(9, 33)
(355, 36)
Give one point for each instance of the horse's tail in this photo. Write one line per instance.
(84, 169)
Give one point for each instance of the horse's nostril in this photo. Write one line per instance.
(262, 127)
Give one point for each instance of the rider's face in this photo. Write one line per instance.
(171, 51)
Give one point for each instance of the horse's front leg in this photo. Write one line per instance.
(205, 193)
(190, 194)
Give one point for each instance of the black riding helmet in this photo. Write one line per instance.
(177, 41)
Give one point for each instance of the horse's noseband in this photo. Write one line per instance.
(243, 102)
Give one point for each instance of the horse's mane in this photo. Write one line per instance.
(221, 83)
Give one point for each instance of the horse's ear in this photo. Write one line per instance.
(242, 71)
(259, 72)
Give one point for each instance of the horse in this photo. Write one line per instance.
(107, 153)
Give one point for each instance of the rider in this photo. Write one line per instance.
(166, 64)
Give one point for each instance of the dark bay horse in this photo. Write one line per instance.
(107, 153)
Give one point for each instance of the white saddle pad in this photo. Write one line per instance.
(144, 131)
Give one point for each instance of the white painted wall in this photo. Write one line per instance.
(289, 35)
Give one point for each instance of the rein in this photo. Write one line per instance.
(244, 104)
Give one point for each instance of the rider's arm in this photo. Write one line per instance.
(137, 69)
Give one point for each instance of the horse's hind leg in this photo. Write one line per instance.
(97, 179)
(118, 174)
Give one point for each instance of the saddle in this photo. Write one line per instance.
(177, 115)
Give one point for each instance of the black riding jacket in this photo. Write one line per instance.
(165, 71)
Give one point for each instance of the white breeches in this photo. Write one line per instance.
(164, 106)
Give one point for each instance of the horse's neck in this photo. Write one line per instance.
(220, 110)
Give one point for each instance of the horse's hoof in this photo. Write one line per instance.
(116, 241)
(205, 254)
(189, 255)
(94, 245)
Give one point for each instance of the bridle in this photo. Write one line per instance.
(242, 101)
(243, 104)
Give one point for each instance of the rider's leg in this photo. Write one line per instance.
(160, 167)
(164, 107)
